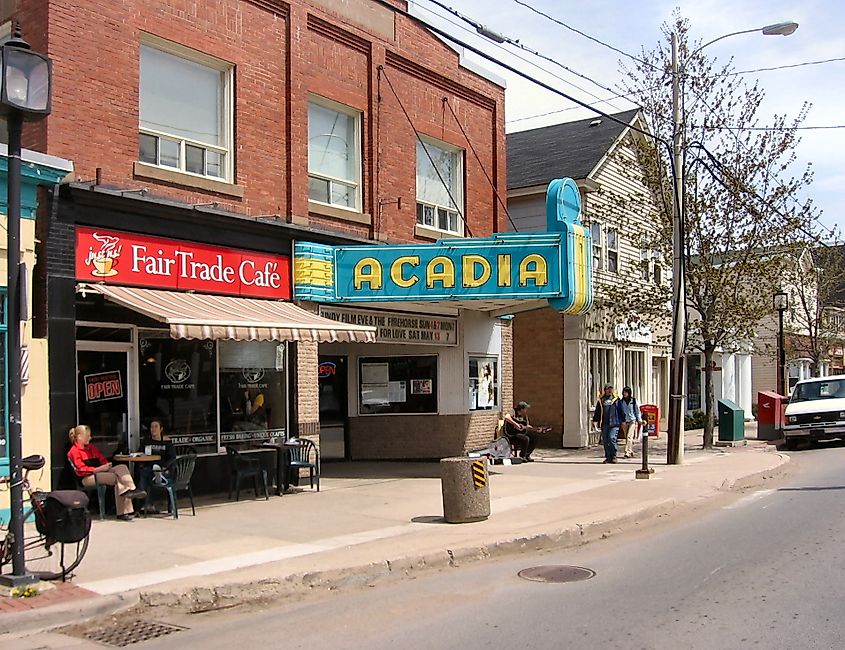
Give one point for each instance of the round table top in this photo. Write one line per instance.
(136, 458)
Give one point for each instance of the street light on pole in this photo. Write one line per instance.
(24, 95)
(675, 452)
(781, 304)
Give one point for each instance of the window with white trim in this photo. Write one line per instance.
(645, 259)
(612, 250)
(440, 186)
(634, 373)
(595, 231)
(602, 371)
(658, 269)
(185, 110)
(334, 154)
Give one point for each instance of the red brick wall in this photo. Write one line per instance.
(281, 53)
(538, 365)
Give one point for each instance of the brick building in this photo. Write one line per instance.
(207, 137)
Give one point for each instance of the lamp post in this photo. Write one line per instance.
(781, 304)
(675, 452)
(24, 95)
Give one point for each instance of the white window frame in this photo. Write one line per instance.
(645, 265)
(606, 356)
(596, 232)
(657, 273)
(612, 252)
(634, 371)
(458, 196)
(355, 182)
(226, 150)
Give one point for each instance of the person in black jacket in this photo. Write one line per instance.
(159, 445)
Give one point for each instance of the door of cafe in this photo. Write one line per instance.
(105, 394)
(332, 381)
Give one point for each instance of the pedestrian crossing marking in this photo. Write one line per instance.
(479, 476)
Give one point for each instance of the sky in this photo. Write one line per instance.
(634, 26)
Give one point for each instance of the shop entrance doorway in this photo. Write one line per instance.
(333, 409)
(105, 382)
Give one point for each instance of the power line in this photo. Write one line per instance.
(585, 35)
(768, 128)
(791, 65)
(569, 108)
(481, 29)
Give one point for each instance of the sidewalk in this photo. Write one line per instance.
(372, 521)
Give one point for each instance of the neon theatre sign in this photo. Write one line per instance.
(553, 265)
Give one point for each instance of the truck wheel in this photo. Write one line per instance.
(791, 444)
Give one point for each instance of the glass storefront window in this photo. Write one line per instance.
(4, 449)
(253, 391)
(176, 382)
(397, 385)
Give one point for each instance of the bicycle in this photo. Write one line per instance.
(43, 556)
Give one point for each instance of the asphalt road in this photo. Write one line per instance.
(766, 570)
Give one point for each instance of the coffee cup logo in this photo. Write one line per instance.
(105, 259)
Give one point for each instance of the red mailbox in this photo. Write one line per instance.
(770, 406)
(651, 418)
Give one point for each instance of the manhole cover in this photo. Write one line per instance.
(120, 635)
(556, 573)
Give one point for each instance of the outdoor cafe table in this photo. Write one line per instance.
(131, 459)
(282, 462)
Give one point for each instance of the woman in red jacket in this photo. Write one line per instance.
(92, 468)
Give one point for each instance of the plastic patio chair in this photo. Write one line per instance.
(300, 457)
(241, 467)
(99, 488)
(179, 472)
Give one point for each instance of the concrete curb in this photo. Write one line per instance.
(75, 611)
(758, 478)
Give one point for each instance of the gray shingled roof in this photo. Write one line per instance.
(571, 149)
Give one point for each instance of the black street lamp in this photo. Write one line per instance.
(24, 95)
(781, 304)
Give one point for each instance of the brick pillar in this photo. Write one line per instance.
(307, 423)
(506, 380)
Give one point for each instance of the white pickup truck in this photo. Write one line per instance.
(816, 410)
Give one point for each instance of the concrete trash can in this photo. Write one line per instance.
(466, 489)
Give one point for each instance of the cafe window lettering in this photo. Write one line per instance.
(483, 383)
(253, 390)
(177, 384)
(397, 385)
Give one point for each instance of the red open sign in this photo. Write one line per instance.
(103, 386)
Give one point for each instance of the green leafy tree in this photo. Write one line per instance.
(740, 202)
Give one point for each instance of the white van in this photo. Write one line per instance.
(816, 410)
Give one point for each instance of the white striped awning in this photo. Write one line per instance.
(206, 316)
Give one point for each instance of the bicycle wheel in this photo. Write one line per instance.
(50, 561)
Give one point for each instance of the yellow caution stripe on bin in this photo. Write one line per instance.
(479, 476)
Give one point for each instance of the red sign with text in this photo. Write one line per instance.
(124, 258)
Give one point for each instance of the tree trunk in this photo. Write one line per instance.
(709, 395)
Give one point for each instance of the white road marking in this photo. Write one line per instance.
(750, 498)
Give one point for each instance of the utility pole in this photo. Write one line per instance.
(675, 452)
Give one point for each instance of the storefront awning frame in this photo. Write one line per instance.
(211, 316)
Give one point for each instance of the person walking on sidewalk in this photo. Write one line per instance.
(91, 467)
(633, 419)
(607, 418)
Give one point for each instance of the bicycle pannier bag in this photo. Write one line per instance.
(66, 516)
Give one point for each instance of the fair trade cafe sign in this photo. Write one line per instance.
(129, 259)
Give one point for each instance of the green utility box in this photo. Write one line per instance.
(731, 422)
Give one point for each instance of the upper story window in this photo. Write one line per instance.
(595, 231)
(658, 269)
(612, 250)
(185, 110)
(334, 154)
(440, 186)
(645, 271)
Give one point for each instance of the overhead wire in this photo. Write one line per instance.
(516, 43)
